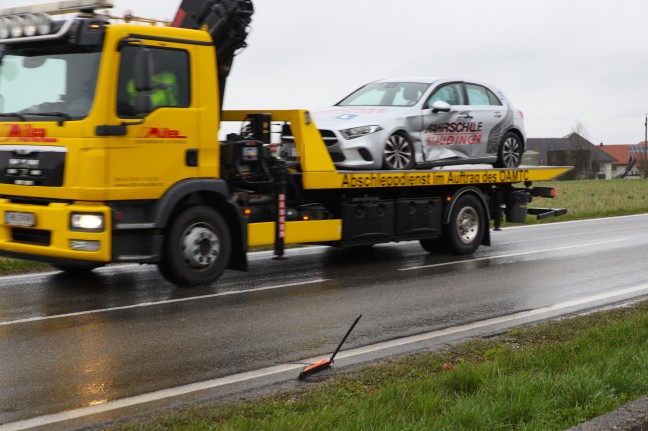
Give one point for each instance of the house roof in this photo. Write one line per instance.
(620, 153)
(543, 145)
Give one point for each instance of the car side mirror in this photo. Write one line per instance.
(441, 106)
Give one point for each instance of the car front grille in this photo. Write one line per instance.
(329, 137)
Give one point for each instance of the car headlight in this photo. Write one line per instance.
(87, 222)
(356, 132)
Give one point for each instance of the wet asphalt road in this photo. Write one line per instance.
(68, 342)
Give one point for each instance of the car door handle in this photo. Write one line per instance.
(465, 116)
(497, 114)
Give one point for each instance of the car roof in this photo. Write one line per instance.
(422, 79)
(431, 80)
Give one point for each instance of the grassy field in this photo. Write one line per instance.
(593, 199)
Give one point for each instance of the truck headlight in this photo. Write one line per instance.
(357, 132)
(87, 222)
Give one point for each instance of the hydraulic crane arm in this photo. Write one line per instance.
(226, 21)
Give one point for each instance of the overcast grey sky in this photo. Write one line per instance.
(558, 61)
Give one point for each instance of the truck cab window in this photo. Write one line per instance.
(170, 81)
(40, 81)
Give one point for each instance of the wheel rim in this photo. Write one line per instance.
(200, 246)
(398, 152)
(467, 225)
(511, 152)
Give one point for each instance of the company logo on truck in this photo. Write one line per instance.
(161, 133)
(24, 133)
(469, 133)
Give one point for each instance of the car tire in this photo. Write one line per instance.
(398, 153)
(465, 231)
(509, 153)
(197, 248)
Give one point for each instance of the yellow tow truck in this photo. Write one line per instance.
(110, 152)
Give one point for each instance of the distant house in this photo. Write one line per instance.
(628, 159)
(588, 160)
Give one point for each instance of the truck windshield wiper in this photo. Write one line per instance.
(66, 117)
(21, 117)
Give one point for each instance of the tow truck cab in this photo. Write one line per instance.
(82, 151)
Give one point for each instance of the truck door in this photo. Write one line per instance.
(452, 134)
(160, 148)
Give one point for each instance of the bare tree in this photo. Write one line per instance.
(578, 153)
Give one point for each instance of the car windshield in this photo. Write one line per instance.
(56, 81)
(386, 94)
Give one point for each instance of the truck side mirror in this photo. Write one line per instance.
(143, 70)
(441, 106)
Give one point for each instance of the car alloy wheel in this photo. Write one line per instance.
(399, 153)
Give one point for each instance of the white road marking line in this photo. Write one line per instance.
(45, 420)
(168, 301)
(522, 253)
(559, 223)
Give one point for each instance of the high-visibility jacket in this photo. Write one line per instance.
(165, 91)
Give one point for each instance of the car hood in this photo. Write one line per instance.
(344, 117)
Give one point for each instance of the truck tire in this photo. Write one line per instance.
(197, 248)
(398, 153)
(467, 224)
(509, 153)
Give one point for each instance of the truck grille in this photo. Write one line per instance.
(31, 236)
(32, 166)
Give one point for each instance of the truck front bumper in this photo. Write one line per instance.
(47, 232)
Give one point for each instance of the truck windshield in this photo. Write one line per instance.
(54, 83)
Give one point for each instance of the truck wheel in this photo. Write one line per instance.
(197, 248)
(398, 153)
(467, 224)
(509, 153)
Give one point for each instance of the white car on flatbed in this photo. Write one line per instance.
(414, 123)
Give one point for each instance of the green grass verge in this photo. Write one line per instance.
(595, 199)
(549, 376)
(17, 266)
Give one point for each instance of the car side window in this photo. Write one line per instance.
(449, 93)
(482, 96)
(494, 100)
(171, 86)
